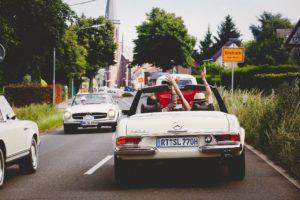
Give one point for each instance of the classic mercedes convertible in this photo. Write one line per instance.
(149, 133)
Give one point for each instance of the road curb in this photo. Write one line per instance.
(282, 171)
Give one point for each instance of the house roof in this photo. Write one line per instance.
(230, 42)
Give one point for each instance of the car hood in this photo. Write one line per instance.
(179, 123)
(91, 108)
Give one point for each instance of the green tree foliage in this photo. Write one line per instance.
(205, 47)
(163, 41)
(226, 30)
(29, 30)
(267, 48)
(71, 58)
(99, 43)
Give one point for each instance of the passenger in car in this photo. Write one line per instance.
(152, 105)
(200, 102)
(175, 91)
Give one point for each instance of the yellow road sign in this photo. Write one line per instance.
(141, 79)
(233, 54)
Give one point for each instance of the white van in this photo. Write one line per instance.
(185, 79)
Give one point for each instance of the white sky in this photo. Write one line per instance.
(197, 14)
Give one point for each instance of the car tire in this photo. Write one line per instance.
(120, 170)
(2, 167)
(29, 164)
(236, 167)
(68, 129)
(113, 128)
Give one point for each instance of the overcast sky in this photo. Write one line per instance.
(197, 14)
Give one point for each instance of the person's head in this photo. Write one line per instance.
(200, 98)
(151, 100)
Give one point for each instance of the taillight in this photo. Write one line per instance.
(228, 137)
(128, 140)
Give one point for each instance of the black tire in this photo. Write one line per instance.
(2, 167)
(69, 129)
(120, 170)
(113, 128)
(29, 164)
(236, 167)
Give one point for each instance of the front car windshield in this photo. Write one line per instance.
(85, 99)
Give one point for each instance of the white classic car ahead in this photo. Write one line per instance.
(18, 141)
(91, 110)
(149, 134)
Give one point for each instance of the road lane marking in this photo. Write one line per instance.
(277, 168)
(98, 165)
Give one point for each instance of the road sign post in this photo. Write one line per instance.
(233, 55)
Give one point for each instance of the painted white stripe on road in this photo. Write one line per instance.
(98, 165)
(277, 168)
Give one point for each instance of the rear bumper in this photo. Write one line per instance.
(222, 148)
(149, 152)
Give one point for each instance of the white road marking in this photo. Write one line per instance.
(98, 165)
(277, 168)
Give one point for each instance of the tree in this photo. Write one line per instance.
(163, 41)
(71, 58)
(226, 30)
(99, 44)
(30, 30)
(267, 48)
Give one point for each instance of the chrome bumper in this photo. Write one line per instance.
(135, 150)
(222, 148)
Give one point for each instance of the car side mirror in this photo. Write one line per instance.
(125, 112)
(11, 116)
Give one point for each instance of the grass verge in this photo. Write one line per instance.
(46, 116)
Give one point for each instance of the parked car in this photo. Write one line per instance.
(148, 134)
(19, 140)
(115, 92)
(129, 89)
(91, 110)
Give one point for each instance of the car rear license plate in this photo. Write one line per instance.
(177, 141)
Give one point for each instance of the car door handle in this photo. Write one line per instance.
(25, 129)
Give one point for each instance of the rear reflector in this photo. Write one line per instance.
(128, 140)
(228, 137)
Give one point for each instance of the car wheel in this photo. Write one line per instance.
(68, 129)
(120, 170)
(113, 128)
(2, 167)
(236, 167)
(29, 164)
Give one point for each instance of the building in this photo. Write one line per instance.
(116, 75)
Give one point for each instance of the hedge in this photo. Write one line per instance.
(212, 80)
(260, 77)
(23, 95)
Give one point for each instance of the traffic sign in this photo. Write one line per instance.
(233, 54)
(2, 53)
(141, 79)
(294, 38)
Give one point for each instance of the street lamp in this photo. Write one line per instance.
(88, 27)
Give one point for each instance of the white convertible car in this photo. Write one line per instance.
(91, 110)
(18, 141)
(149, 134)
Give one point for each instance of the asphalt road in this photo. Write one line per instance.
(66, 172)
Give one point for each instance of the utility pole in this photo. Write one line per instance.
(53, 77)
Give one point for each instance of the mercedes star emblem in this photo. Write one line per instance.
(177, 126)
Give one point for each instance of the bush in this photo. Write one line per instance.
(23, 95)
(271, 122)
(127, 94)
(254, 76)
(46, 116)
(212, 80)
